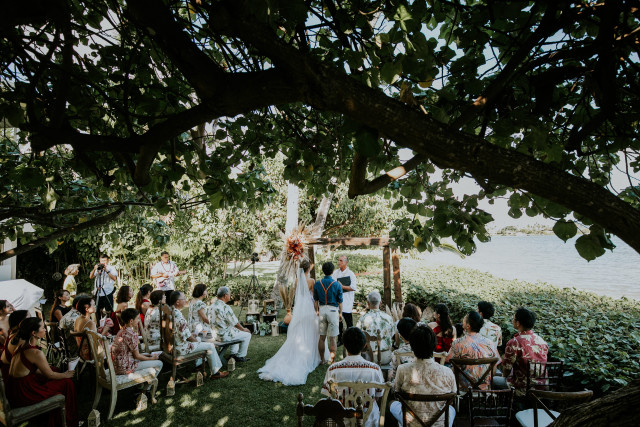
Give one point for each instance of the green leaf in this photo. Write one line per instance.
(565, 229)
(367, 142)
(589, 247)
(390, 72)
(220, 134)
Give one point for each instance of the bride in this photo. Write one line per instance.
(299, 355)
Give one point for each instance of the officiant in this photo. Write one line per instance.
(347, 279)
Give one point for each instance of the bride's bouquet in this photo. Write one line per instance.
(293, 252)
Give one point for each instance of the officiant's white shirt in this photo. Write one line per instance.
(347, 296)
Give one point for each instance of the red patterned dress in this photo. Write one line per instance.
(34, 388)
(444, 343)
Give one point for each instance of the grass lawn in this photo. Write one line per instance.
(242, 399)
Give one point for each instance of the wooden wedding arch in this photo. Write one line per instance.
(389, 258)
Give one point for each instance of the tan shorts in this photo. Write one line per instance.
(329, 319)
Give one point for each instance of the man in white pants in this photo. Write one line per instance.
(228, 327)
(348, 281)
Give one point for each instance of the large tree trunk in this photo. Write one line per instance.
(620, 408)
(293, 196)
(321, 216)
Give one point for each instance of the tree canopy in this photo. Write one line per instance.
(133, 103)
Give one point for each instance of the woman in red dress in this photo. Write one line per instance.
(125, 293)
(12, 342)
(443, 328)
(142, 300)
(31, 379)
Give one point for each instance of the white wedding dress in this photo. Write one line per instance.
(299, 355)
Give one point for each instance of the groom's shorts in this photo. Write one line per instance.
(329, 319)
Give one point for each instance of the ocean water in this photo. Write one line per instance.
(549, 259)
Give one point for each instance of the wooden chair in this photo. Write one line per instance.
(440, 357)
(545, 376)
(375, 356)
(329, 412)
(488, 408)
(17, 416)
(404, 398)
(541, 415)
(349, 392)
(168, 345)
(53, 351)
(458, 365)
(106, 375)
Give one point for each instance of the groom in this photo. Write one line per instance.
(327, 297)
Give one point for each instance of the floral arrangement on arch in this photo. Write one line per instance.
(293, 252)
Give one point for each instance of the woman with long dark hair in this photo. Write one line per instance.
(125, 293)
(443, 328)
(31, 379)
(59, 307)
(8, 350)
(142, 300)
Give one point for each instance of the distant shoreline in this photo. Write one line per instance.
(533, 230)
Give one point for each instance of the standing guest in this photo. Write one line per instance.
(86, 307)
(67, 324)
(412, 311)
(424, 376)
(525, 346)
(377, 320)
(59, 307)
(355, 368)
(327, 297)
(152, 319)
(126, 357)
(104, 276)
(405, 326)
(227, 327)
(69, 284)
(31, 379)
(473, 346)
(348, 280)
(125, 293)
(186, 342)
(8, 350)
(165, 273)
(142, 300)
(197, 317)
(5, 310)
(489, 329)
(443, 328)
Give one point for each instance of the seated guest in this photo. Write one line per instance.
(412, 311)
(473, 346)
(86, 307)
(125, 355)
(198, 320)
(5, 310)
(125, 293)
(525, 346)
(8, 350)
(227, 327)
(68, 322)
(354, 368)
(186, 342)
(31, 379)
(424, 376)
(152, 319)
(443, 328)
(59, 307)
(142, 300)
(405, 326)
(489, 329)
(376, 320)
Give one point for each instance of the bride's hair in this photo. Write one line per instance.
(305, 265)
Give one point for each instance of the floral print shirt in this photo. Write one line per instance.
(375, 320)
(491, 331)
(396, 360)
(473, 346)
(181, 333)
(195, 321)
(523, 347)
(224, 321)
(124, 344)
(425, 376)
(152, 325)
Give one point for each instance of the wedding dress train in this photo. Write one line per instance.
(299, 354)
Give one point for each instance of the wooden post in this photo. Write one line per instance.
(312, 260)
(386, 298)
(397, 290)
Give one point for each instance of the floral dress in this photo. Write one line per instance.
(194, 319)
(181, 333)
(152, 325)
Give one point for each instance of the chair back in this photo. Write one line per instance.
(167, 344)
(369, 350)
(50, 329)
(440, 357)
(458, 365)
(145, 336)
(101, 351)
(561, 401)
(349, 392)
(490, 407)
(329, 412)
(546, 376)
(6, 408)
(409, 408)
